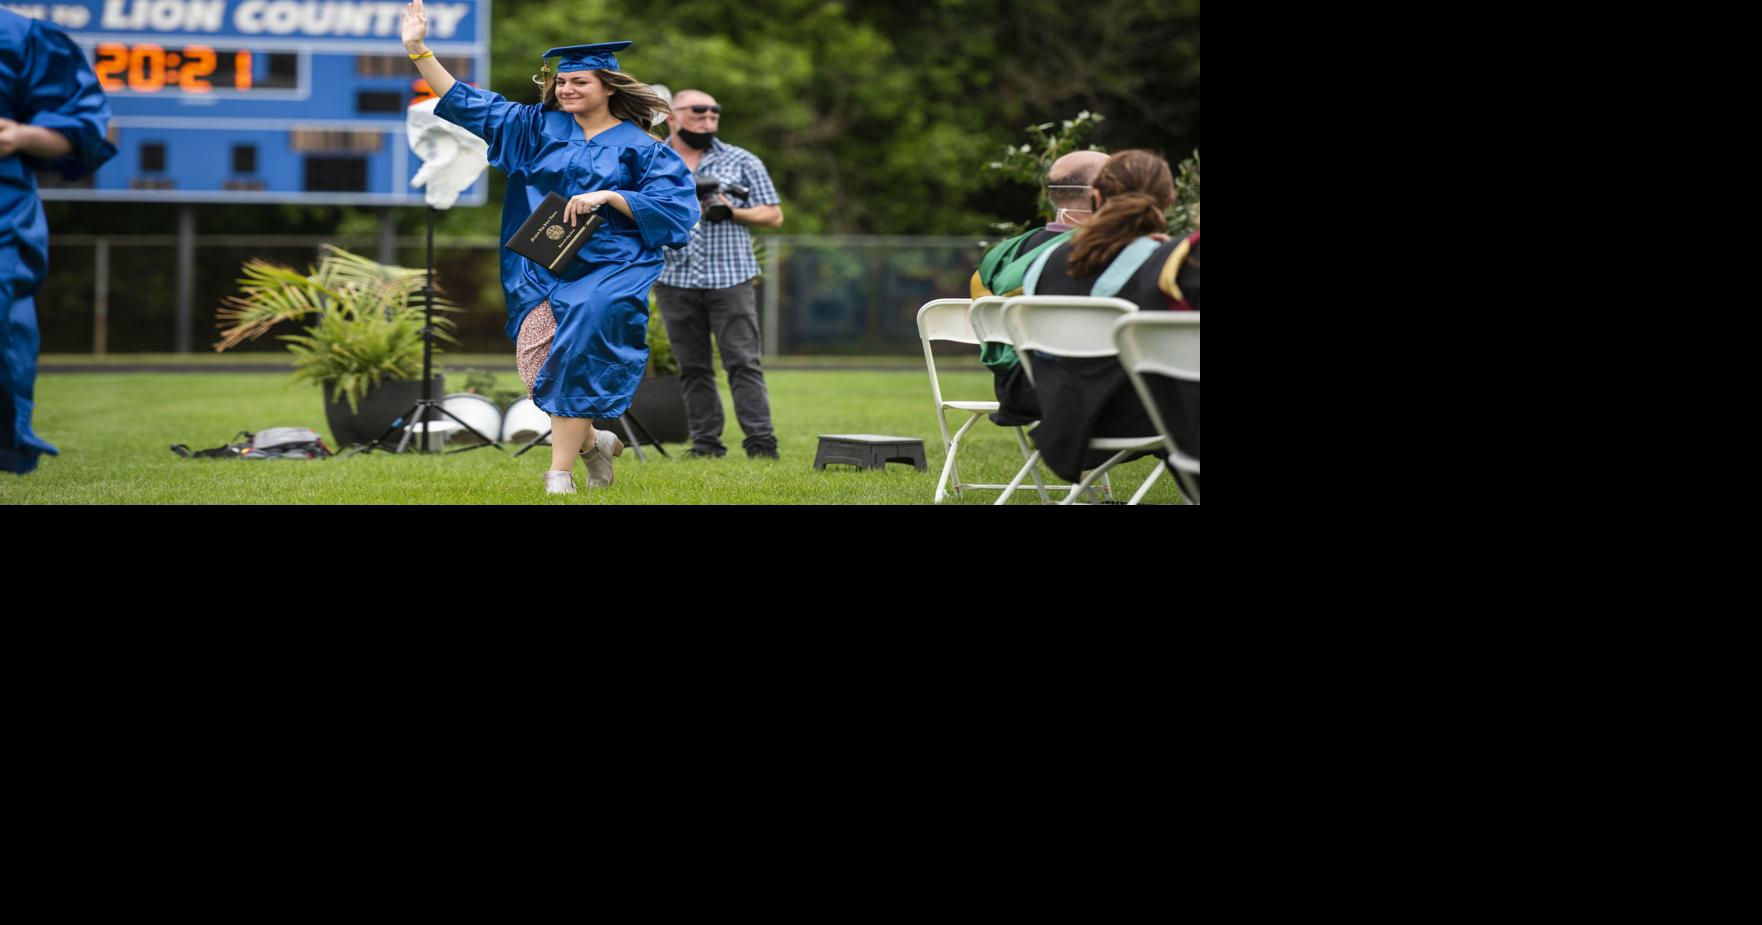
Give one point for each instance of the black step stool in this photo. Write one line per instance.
(869, 451)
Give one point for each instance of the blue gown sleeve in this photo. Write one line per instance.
(512, 130)
(664, 203)
(62, 93)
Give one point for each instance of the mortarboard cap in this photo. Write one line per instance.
(587, 57)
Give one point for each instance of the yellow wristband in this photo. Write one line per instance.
(426, 54)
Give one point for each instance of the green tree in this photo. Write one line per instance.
(871, 117)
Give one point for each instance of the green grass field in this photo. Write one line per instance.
(115, 430)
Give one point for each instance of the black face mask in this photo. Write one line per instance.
(698, 140)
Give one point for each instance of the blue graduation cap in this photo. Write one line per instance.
(587, 57)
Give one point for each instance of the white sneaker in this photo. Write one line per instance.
(599, 459)
(559, 483)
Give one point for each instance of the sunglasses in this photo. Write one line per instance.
(700, 110)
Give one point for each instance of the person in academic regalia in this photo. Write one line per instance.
(53, 116)
(581, 333)
(1000, 273)
(1123, 251)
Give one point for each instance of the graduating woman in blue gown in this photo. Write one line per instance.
(584, 328)
(53, 115)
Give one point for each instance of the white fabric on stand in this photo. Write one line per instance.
(452, 158)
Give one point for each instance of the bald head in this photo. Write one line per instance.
(1077, 168)
(683, 119)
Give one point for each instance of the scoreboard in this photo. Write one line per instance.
(261, 101)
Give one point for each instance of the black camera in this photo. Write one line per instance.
(708, 189)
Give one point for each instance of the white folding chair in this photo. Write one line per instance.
(946, 320)
(1076, 327)
(1162, 344)
(986, 315)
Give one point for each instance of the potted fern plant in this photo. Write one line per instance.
(363, 345)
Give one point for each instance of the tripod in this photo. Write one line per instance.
(625, 422)
(426, 411)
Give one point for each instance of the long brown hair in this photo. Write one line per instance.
(1136, 188)
(628, 97)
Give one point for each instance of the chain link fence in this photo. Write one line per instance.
(847, 295)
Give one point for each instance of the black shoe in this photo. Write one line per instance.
(695, 453)
(762, 452)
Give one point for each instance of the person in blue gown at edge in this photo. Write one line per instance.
(580, 334)
(53, 116)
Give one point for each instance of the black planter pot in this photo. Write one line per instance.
(379, 408)
(660, 406)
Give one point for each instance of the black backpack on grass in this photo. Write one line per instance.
(274, 443)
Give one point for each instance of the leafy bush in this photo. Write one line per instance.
(368, 326)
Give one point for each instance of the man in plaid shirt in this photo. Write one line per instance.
(707, 287)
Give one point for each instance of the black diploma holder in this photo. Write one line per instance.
(547, 239)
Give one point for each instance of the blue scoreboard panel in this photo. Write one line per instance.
(262, 101)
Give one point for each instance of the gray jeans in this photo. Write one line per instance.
(732, 315)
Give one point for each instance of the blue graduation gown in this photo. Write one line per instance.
(600, 299)
(45, 81)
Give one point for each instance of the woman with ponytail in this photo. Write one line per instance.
(1122, 252)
